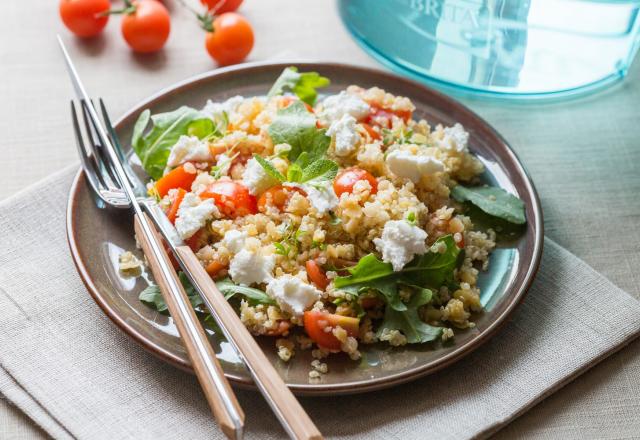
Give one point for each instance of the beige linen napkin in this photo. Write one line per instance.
(66, 366)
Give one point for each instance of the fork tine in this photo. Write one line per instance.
(134, 180)
(88, 165)
(104, 165)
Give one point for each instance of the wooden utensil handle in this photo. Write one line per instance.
(278, 395)
(215, 386)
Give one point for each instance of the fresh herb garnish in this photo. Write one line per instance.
(303, 84)
(154, 147)
(493, 201)
(254, 296)
(430, 270)
(295, 126)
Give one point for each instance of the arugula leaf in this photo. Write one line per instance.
(409, 323)
(255, 296)
(433, 269)
(319, 172)
(269, 168)
(303, 84)
(201, 128)
(154, 147)
(492, 200)
(152, 296)
(295, 126)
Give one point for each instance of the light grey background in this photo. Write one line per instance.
(583, 155)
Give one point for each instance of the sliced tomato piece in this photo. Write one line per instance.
(176, 178)
(317, 275)
(173, 209)
(384, 117)
(374, 134)
(346, 179)
(277, 196)
(214, 268)
(231, 198)
(196, 241)
(315, 323)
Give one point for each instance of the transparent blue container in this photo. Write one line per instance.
(507, 48)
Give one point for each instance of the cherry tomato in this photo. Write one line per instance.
(83, 17)
(221, 6)
(147, 28)
(374, 134)
(346, 179)
(173, 209)
(231, 39)
(176, 178)
(383, 117)
(197, 240)
(231, 198)
(277, 196)
(315, 322)
(214, 268)
(317, 275)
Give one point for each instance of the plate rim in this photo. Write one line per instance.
(352, 387)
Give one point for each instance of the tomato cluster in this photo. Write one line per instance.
(146, 25)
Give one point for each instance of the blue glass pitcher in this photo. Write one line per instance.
(525, 49)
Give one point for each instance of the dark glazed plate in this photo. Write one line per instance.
(97, 237)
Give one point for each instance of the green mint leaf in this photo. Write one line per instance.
(295, 126)
(154, 147)
(319, 172)
(492, 200)
(435, 268)
(254, 296)
(294, 173)
(408, 321)
(269, 168)
(303, 84)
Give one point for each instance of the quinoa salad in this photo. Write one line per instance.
(329, 222)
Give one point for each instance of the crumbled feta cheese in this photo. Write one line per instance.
(455, 138)
(322, 198)
(335, 106)
(233, 240)
(193, 213)
(405, 164)
(216, 110)
(249, 267)
(292, 294)
(256, 178)
(345, 136)
(400, 241)
(189, 148)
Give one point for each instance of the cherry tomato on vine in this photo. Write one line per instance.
(85, 18)
(146, 25)
(230, 38)
(221, 6)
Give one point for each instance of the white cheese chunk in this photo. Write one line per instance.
(399, 243)
(292, 294)
(250, 267)
(234, 240)
(344, 134)
(193, 213)
(455, 138)
(406, 164)
(322, 198)
(216, 110)
(189, 149)
(336, 106)
(256, 179)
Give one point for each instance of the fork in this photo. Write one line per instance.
(112, 192)
(105, 178)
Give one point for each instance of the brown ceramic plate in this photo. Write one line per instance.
(97, 237)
